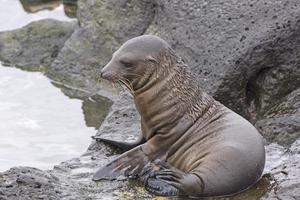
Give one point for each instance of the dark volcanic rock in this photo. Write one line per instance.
(228, 42)
(28, 183)
(246, 53)
(36, 45)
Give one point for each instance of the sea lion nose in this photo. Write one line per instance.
(105, 73)
(102, 72)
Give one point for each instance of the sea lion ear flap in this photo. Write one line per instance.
(151, 59)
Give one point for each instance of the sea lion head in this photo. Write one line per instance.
(134, 61)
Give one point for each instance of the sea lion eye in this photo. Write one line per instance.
(126, 63)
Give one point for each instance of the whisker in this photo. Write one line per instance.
(137, 75)
(127, 81)
(127, 85)
(131, 86)
(120, 85)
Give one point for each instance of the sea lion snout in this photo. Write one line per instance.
(131, 60)
(109, 72)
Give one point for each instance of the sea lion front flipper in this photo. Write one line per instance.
(161, 188)
(158, 181)
(128, 165)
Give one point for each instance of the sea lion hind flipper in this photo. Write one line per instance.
(125, 146)
(128, 165)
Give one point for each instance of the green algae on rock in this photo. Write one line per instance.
(36, 45)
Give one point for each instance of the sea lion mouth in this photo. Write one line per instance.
(100, 79)
(116, 79)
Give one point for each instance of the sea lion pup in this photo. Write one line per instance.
(191, 144)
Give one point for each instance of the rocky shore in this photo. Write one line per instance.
(245, 53)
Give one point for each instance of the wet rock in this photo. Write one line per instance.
(28, 183)
(70, 8)
(123, 121)
(33, 6)
(36, 45)
(286, 174)
(95, 109)
(69, 180)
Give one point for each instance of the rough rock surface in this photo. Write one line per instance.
(28, 183)
(36, 45)
(104, 25)
(246, 54)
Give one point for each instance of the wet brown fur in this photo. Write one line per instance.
(213, 150)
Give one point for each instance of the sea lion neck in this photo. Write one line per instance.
(170, 97)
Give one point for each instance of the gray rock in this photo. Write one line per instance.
(281, 122)
(28, 183)
(104, 25)
(36, 45)
(123, 121)
(33, 6)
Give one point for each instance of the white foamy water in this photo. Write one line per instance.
(13, 16)
(39, 125)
